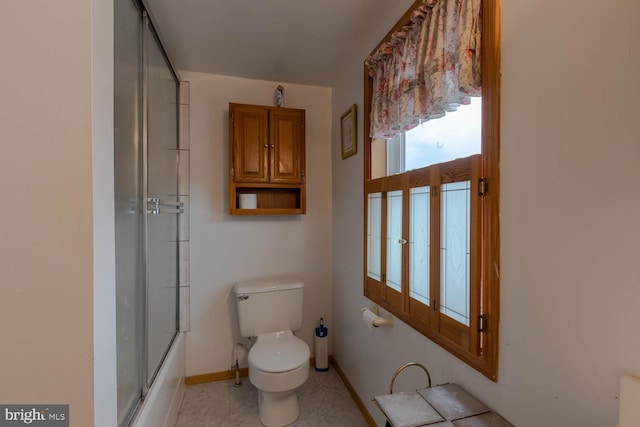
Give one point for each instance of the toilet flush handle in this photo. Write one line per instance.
(243, 297)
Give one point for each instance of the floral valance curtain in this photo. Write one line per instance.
(429, 67)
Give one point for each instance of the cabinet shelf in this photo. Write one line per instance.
(271, 211)
(280, 200)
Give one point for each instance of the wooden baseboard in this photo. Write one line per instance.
(352, 391)
(222, 376)
(215, 376)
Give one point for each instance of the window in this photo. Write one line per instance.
(431, 217)
(454, 136)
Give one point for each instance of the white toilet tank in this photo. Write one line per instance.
(269, 305)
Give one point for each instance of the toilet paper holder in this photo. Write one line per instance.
(378, 320)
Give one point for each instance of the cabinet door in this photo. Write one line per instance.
(250, 145)
(286, 131)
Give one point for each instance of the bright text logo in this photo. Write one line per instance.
(36, 415)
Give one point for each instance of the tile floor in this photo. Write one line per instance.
(324, 402)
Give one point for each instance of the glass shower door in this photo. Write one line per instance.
(146, 204)
(161, 220)
(128, 214)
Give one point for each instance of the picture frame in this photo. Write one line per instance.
(348, 132)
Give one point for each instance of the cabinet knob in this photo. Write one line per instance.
(266, 145)
(273, 146)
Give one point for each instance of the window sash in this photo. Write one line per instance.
(420, 244)
(394, 238)
(455, 250)
(374, 236)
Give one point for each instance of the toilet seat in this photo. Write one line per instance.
(278, 352)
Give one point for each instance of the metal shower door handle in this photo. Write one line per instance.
(155, 205)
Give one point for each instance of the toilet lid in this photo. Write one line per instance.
(278, 352)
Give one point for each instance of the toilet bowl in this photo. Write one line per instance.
(278, 365)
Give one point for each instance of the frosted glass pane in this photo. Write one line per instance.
(374, 235)
(454, 250)
(419, 244)
(394, 236)
(128, 215)
(162, 229)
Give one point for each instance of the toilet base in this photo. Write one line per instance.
(278, 409)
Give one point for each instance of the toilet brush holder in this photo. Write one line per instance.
(321, 345)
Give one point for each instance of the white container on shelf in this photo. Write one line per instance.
(248, 201)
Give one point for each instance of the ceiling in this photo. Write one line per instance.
(290, 41)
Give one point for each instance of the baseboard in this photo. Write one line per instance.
(215, 376)
(223, 375)
(352, 391)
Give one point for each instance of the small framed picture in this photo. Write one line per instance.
(348, 134)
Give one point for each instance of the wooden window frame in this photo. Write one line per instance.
(481, 349)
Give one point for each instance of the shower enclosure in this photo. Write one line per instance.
(146, 203)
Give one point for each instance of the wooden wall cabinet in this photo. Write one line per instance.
(267, 158)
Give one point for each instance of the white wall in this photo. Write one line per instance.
(226, 249)
(46, 174)
(570, 230)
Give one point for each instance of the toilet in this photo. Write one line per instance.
(271, 309)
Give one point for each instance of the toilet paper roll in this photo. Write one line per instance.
(248, 201)
(368, 317)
